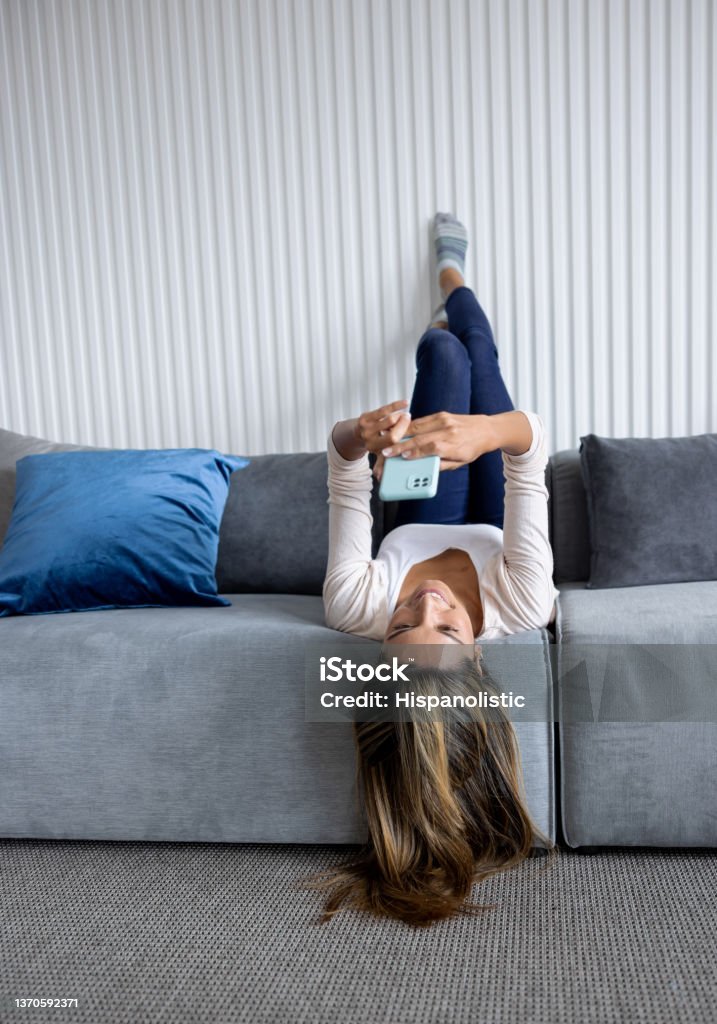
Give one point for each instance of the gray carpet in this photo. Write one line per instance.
(203, 932)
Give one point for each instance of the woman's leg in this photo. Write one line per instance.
(443, 383)
(489, 395)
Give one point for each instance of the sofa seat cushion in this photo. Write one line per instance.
(188, 724)
(638, 654)
(637, 706)
(663, 613)
(181, 724)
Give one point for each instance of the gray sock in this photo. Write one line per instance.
(451, 241)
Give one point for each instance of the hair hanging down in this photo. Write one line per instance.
(444, 804)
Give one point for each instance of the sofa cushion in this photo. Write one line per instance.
(568, 517)
(638, 654)
(188, 724)
(108, 529)
(668, 613)
(275, 532)
(638, 714)
(652, 509)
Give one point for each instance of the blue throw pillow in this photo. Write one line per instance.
(115, 529)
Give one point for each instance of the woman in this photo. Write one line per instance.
(444, 799)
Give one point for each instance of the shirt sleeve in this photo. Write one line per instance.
(525, 572)
(355, 590)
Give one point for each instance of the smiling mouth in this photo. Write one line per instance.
(434, 592)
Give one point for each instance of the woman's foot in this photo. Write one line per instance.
(450, 238)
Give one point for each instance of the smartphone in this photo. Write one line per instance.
(406, 479)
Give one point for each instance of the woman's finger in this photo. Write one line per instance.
(378, 414)
(415, 447)
(375, 440)
(396, 431)
(392, 428)
(390, 421)
(428, 424)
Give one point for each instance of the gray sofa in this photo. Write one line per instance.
(643, 771)
(189, 724)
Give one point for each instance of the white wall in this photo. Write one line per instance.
(214, 216)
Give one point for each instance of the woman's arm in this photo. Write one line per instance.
(512, 432)
(349, 556)
(526, 550)
(354, 591)
(527, 578)
(346, 440)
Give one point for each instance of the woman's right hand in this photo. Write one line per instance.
(372, 431)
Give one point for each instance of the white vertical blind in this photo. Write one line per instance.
(214, 214)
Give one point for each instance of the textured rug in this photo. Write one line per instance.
(188, 932)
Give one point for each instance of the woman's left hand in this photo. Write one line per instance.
(455, 438)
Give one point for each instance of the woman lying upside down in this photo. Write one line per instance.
(444, 798)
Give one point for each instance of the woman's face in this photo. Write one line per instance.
(432, 614)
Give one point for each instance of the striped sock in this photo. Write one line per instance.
(451, 240)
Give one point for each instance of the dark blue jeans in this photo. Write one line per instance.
(457, 371)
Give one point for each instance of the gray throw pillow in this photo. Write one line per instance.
(274, 536)
(652, 509)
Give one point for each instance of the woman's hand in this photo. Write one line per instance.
(459, 439)
(372, 431)
(455, 438)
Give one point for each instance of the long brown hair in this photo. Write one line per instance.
(444, 804)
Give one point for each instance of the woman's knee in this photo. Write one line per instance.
(438, 347)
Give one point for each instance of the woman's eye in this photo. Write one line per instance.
(399, 629)
(449, 629)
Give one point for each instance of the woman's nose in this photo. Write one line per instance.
(426, 609)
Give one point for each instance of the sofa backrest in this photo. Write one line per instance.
(275, 530)
(568, 517)
(13, 447)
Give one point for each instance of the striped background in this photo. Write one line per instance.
(214, 216)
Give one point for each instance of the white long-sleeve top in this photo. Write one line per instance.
(514, 565)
